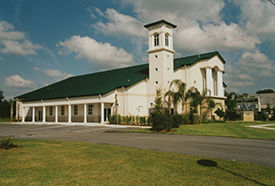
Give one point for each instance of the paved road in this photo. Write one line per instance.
(259, 152)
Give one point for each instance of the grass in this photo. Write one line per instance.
(44, 162)
(228, 129)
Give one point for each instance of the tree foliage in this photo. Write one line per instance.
(265, 91)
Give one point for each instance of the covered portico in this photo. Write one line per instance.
(93, 110)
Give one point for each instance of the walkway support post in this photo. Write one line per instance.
(33, 114)
(85, 113)
(44, 114)
(23, 114)
(56, 114)
(102, 113)
(69, 114)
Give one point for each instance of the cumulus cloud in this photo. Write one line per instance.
(258, 17)
(120, 25)
(175, 10)
(17, 81)
(53, 73)
(15, 42)
(213, 37)
(103, 55)
(7, 33)
(19, 48)
(256, 63)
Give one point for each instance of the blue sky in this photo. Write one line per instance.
(42, 42)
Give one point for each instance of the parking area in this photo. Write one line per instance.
(23, 131)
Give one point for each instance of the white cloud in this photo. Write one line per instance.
(17, 81)
(198, 30)
(94, 11)
(214, 37)
(258, 16)
(120, 25)
(54, 73)
(7, 33)
(15, 42)
(175, 10)
(103, 55)
(257, 64)
(19, 48)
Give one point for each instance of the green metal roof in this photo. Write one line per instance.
(103, 82)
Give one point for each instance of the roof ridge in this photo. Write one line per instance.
(214, 52)
(104, 71)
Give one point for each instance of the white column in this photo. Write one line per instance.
(220, 83)
(23, 114)
(44, 114)
(33, 114)
(56, 114)
(102, 112)
(69, 114)
(85, 113)
(209, 80)
(152, 41)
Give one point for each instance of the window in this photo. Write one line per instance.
(157, 82)
(166, 39)
(90, 109)
(75, 109)
(51, 111)
(156, 69)
(62, 110)
(156, 39)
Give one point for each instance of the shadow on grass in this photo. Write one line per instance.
(210, 163)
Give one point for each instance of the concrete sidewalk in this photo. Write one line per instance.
(265, 126)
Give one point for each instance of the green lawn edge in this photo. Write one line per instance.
(227, 129)
(53, 162)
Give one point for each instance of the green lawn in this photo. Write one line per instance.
(228, 129)
(43, 162)
(271, 126)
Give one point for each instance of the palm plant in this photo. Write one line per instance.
(169, 95)
(176, 95)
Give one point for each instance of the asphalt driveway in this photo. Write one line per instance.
(261, 152)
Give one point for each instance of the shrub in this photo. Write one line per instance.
(112, 119)
(261, 116)
(142, 120)
(177, 119)
(185, 119)
(149, 121)
(7, 143)
(161, 121)
(194, 118)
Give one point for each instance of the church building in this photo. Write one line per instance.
(91, 98)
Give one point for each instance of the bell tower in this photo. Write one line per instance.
(161, 56)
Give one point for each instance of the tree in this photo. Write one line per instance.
(265, 91)
(169, 95)
(231, 104)
(175, 94)
(211, 106)
(1, 96)
(158, 101)
(220, 113)
(194, 98)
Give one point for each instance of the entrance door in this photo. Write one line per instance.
(107, 113)
(40, 115)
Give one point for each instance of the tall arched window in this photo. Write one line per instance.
(156, 39)
(166, 39)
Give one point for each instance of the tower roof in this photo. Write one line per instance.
(159, 22)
